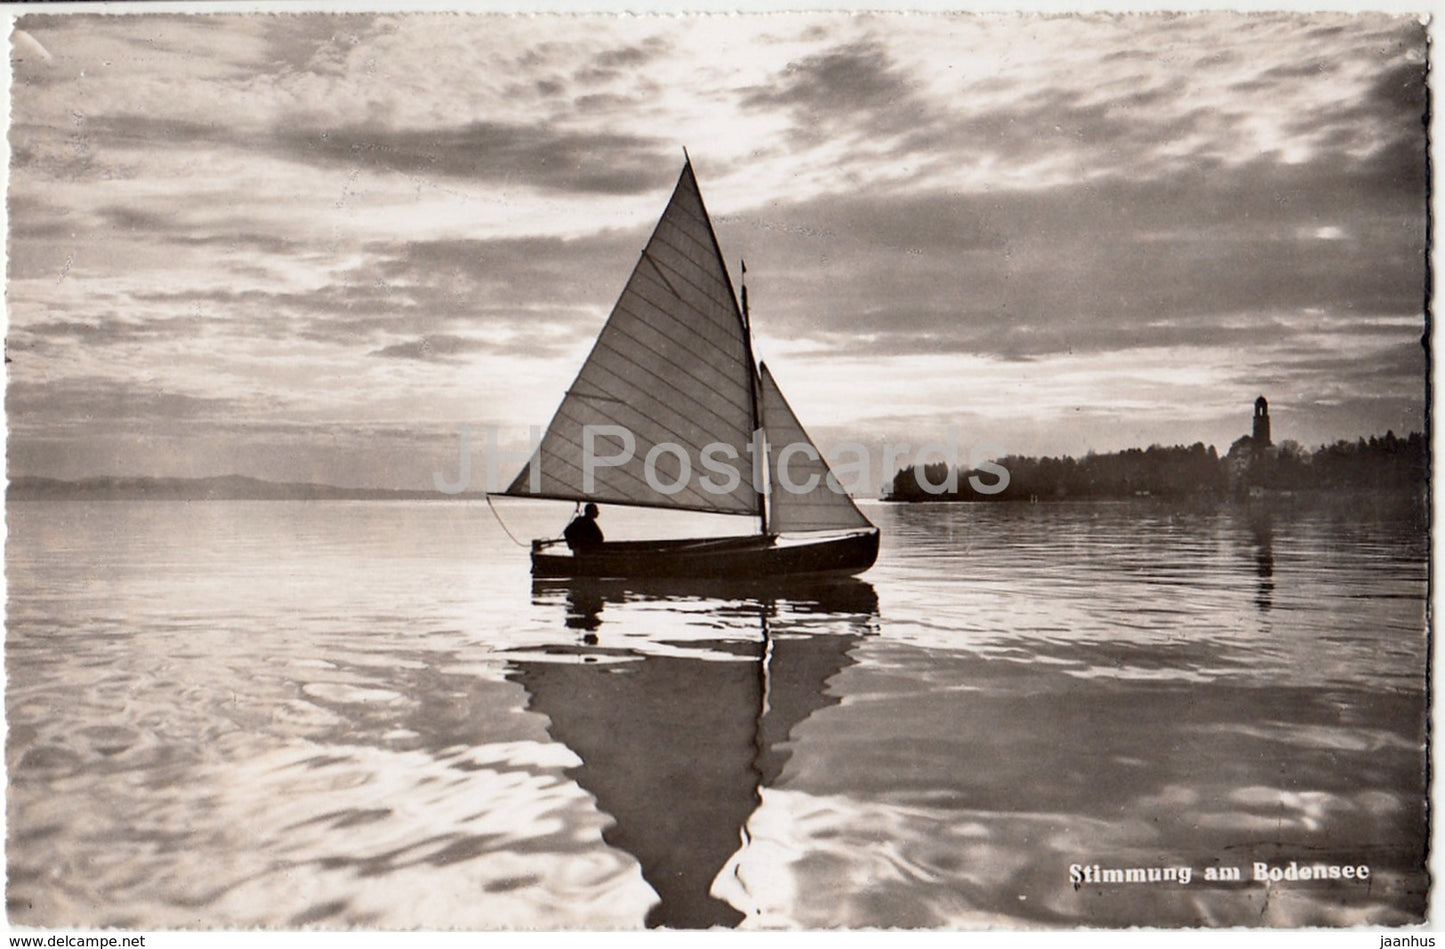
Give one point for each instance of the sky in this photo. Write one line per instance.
(316, 247)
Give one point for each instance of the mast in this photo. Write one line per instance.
(760, 458)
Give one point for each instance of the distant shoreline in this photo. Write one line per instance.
(1267, 495)
(1381, 466)
(222, 488)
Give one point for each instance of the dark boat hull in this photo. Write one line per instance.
(754, 557)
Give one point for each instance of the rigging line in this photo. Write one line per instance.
(730, 303)
(663, 267)
(504, 524)
(705, 362)
(668, 283)
(585, 395)
(688, 421)
(677, 432)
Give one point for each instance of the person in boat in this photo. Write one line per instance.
(583, 532)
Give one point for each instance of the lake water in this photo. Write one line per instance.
(357, 714)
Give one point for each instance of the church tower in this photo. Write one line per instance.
(1261, 423)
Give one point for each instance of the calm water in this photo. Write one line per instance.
(351, 714)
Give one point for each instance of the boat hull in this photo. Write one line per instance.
(754, 557)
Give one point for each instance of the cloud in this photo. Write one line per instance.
(436, 348)
(91, 48)
(1119, 264)
(603, 162)
(854, 91)
(33, 218)
(857, 77)
(633, 56)
(516, 270)
(99, 332)
(94, 403)
(532, 295)
(314, 43)
(1397, 367)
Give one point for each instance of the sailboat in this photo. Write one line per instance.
(666, 410)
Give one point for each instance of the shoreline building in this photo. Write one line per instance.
(1250, 449)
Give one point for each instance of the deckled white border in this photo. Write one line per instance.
(1362, 938)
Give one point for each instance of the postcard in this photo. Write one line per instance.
(948, 470)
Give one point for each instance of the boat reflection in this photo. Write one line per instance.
(584, 609)
(1261, 534)
(677, 739)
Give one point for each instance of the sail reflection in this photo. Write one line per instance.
(677, 742)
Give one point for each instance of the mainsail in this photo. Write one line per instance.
(672, 374)
(817, 508)
(672, 367)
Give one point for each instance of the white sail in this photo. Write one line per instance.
(817, 508)
(672, 366)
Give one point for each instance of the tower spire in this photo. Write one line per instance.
(1261, 423)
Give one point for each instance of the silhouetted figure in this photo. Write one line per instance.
(584, 609)
(583, 532)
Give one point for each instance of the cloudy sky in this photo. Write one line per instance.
(313, 247)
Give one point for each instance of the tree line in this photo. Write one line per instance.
(1385, 463)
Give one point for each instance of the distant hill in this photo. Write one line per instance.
(224, 488)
